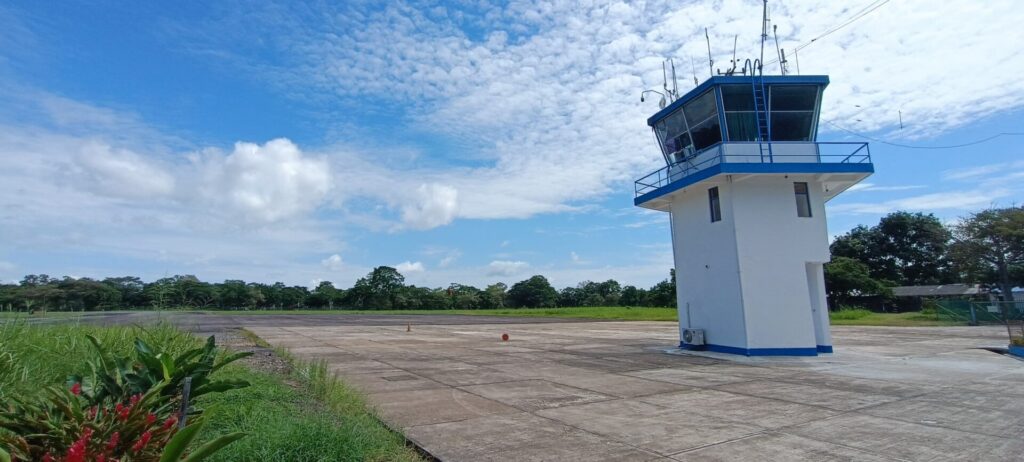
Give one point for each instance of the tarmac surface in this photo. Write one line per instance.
(596, 391)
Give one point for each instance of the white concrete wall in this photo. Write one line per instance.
(752, 280)
(707, 275)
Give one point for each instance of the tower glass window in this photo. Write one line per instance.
(702, 116)
(803, 200)
(714, 204)
(740, 117)
(792, 112)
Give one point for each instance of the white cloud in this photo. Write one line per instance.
(549, 99)
(982, 171)
(871, 187)
(407, 267)
(447, 261)
(506, 267)
(332, 262)
(122, 173)
(432, 205)
(265, 183)
(952, 200)
(575, 258)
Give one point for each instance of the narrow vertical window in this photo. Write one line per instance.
(803, 200)
(713, 202)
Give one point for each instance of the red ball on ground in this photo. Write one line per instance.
(504, 337)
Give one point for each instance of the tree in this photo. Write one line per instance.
(632, 296)
(664, 292)
(493, 296)
(906, 248)
(846, 277)
(535, 292)
(989, 245)
(131, 289)
(378, 290)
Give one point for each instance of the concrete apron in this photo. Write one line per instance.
(617, 391)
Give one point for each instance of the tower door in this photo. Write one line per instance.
(819, 306)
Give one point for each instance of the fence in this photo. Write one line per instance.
(979, 312)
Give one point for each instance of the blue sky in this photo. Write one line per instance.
(462, 142)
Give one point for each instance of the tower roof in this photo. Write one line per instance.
(820, 80)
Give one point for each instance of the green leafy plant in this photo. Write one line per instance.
(124, 410)
(117, 378)
(61, 425)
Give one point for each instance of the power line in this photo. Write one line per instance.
(860, 14)
(910, 146)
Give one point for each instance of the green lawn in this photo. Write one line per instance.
(841, 318)
(304, 416)
(596, 312)
(868, 318)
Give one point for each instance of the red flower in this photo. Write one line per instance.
(76, 389)
(135, 398)
(114, 439)
(142, 441)
(150, 418)
(101, 458)
(92, 412)
(170, 422)
(47, 457)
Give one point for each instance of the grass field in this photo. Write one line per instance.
(619, 313)
(840, 318)
(303, 416)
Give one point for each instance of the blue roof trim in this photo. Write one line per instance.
(824, 348)
(809, 351)
(732, 80)
(741, 168)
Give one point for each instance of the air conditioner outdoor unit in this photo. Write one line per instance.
(693, 336)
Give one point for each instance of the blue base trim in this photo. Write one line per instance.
(1016, 350)
(757, 351)
(741, 168)
(824, 348)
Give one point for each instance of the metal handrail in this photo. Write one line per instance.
(684, 168)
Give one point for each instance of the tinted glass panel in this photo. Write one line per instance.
(706, 134)
(742, 126)
(792, 126)
(701, 108)
(803, 200)
(737, 98)
(714, 204)
(794, 97)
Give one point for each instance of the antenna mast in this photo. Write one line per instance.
(675, 83)
(781, 52)
(764, 33)
(694, 69)
(711, 62)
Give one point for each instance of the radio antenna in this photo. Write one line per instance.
(711, 62)
(694, 69)
(675, 83)
(664, 80)
(764, 30)
(781, 52)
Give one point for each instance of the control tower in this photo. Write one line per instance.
(745, 185)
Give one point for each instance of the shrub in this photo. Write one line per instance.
(124, 410)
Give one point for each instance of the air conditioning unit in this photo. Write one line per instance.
(693, 336)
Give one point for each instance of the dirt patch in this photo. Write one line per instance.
(263, 359)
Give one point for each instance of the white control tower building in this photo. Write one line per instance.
(745, 186)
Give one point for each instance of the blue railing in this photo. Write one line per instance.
(750, 152)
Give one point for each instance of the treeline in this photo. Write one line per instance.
(911, 249)
(383, 288)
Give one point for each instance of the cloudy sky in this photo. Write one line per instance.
(459, 142)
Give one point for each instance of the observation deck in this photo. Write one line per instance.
(840, 165)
